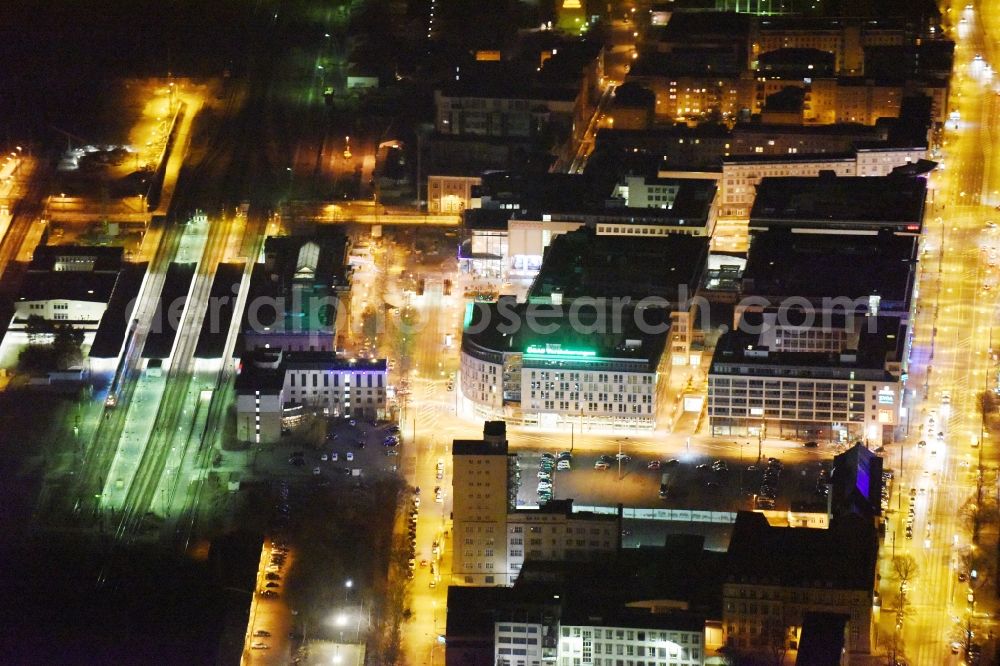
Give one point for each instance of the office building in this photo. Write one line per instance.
(275, 390)
(758, 390)
(515, 218)
(654, 605)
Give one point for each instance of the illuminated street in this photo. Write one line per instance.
(950, 367)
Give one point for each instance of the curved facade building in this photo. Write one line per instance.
(551, 366)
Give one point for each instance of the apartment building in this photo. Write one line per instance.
(276, 389)
(845, 39)
(492, 538)
(554, 532)
(766, 599)
(481, 482)
(741, 174)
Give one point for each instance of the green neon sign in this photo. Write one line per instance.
(469, 308)
(557, 350)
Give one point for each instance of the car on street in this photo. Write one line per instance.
(810, 445)
(602, 464)
(350, 456)
(564, 465)
(654, 464)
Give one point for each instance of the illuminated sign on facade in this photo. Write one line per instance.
(557, 350)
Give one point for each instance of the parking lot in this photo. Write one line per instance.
(690, 482)
(346, 449)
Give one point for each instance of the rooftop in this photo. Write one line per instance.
(555, 334)
(94, 287)
(846, 201)
(318, 259)
(507, 80)
(76, 259)
(810, 62)
(582, 264)
(841, 557)
(478, 447)
(857, 483)
(264, 371)
(880, 339)
(114, 323)
(782, 264)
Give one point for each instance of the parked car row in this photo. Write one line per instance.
(769, 484)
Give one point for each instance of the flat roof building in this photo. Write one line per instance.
(840, 204)
(493, 538)
(68, 284)
(274, 389)
(834, 378)
(810, 268)
(547, 364)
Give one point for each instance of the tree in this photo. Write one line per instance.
(37, 327)
(904, 569)
(66, 344)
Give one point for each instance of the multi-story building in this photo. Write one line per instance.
(595, 368)
(845, 39)
(537, 212)
(611, 309)
(655, 605)
(813, 391)
(298, 293)
(492, 538)
(276, 389)
(481, 482)
(585, 265)
(605, 637)
(845, 204)
(68, 284)
(450, 193)
(776, 576)
(805, 271)
(702, 148)
(554, 532)
(817, 352)
(741, 174)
